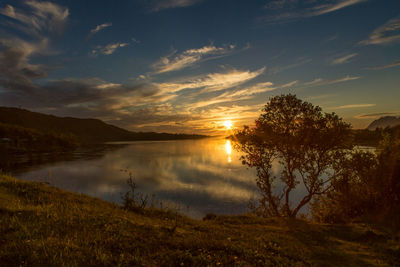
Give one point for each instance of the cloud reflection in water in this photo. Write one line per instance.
(203, 175)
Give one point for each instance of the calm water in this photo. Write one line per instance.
(198, 176)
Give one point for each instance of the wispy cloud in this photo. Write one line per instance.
(336, 5)
(319, 96)
(108, 49)
(289, 84)
(279, 4)
(388, 33)
(213, 81)
(39, 17)
(330, 38)
(320, 81)
(136, 41)
(355, 106)
(395, 64)
(157, 5)
(100, 27)
(252, 90)
(174, 62)
(244, 93)
(344, 59)
(298, 62)
(376, 115)
(289, 10)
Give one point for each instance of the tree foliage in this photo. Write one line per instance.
(368, 187)
(308, 145)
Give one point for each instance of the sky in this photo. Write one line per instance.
(187, 66)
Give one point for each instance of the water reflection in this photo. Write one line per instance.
(228, 149)
(203, 175)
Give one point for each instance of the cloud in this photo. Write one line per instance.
(100, 27)
(213, 81)
(320, 81)
(279, 4)
(161, 114)
(157, 5)
(337, 5)
(355, 106)
(376, 115)
(94, 97)
(388, 33)
(319, 96)
(395, 64)
(290, 84)
(81, 97)
(189, 57)
(298, 62)
(135, 40)
(252, 90)
(138, 105)
(108, 49)
(344, 59)
(316, 81)
(15, 69)
(41, 17)
(245, 93)
(330, 38)
(241, 94)
(290, 10)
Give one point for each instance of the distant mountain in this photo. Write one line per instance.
(85, 130)
(384, 122)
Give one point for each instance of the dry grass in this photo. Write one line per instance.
(41, 225)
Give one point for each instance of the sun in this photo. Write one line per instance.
(228, 124)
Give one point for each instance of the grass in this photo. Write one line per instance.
(42, 225)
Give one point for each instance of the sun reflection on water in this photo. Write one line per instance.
(228, 148)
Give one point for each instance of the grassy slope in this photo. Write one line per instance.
(43, 225)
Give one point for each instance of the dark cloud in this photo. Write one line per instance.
(22, 86)
(116, 103)
(15, 72)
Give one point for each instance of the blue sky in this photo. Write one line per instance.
(189, 65)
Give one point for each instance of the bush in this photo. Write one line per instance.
(368, 187)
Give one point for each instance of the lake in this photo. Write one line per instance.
(196, 176)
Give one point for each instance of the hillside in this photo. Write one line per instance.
(44, 226)
(85, 130)
(383, 122)
(15, 138)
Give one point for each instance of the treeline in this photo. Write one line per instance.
(20, 139)
(367, 187)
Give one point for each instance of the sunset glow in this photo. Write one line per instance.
(228, 124)
(211, 72)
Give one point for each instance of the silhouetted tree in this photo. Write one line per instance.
(368, 187)
(308, 145)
